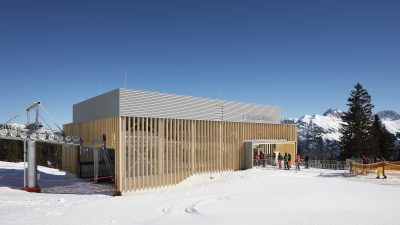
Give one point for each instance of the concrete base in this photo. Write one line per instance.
(33, 189)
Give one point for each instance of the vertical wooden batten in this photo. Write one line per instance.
(153, 152)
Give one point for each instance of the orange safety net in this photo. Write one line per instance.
(366, 169)
(383, 168)
(394, 165)
(392, 168)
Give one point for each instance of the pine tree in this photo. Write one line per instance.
(376, 132)
(382, 142)
(388, 149)
(300, 149)
(357, 122)
(397, 153)
(398, 146)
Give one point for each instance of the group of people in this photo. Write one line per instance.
(260, 158)
(287, 161)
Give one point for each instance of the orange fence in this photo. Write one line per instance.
(381, 168)
(392, 168)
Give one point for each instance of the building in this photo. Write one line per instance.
(158, 139)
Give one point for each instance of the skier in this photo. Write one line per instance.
(297, 161)
(289, 161)
(280, 160)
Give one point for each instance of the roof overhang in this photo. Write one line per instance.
(270, 141)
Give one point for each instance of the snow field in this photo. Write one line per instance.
(259, 195)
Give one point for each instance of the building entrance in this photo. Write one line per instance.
(254, 150)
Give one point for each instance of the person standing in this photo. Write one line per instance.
(297, 162)
(263, 158)
(289, 161)
(380, 169)
(285, 161)
(364, 159)
(306, 159)
(280, 160)
(256, 158)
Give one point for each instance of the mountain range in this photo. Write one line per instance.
(320, 134)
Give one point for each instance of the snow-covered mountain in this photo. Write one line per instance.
(389, 115)
(391, 120)
(322, 131)
(329, 124)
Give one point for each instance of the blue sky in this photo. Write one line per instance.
(304, 56)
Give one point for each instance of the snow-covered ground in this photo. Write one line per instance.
(256, 196)
(51, 180)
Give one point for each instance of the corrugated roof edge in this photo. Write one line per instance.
(205, 98)
(98, 96)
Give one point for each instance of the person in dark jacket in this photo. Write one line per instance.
(289, 161)
(280, 160)
(285, 161)
(306, 159)
(364, 159)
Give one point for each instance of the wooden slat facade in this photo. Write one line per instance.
(157, 152)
